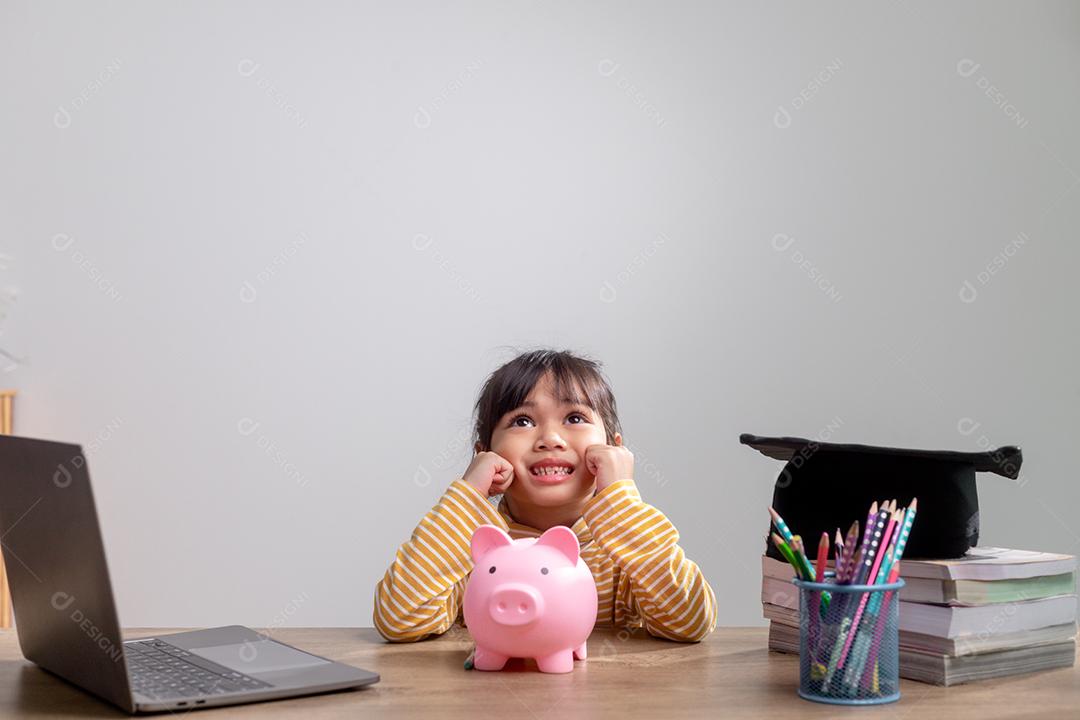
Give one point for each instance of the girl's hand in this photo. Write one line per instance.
(489, 473)
(609, 463)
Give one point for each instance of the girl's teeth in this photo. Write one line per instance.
(552, 471)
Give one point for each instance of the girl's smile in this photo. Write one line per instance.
(551, 471)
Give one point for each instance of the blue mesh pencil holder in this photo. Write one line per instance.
(849, 642)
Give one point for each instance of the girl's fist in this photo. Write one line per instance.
(609, 463)
(489, 473)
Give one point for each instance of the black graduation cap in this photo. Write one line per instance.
(825, 486)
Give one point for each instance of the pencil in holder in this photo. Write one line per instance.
(849, 649)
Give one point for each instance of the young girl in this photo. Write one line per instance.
(548, 439)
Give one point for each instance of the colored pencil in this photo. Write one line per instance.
(886, 538)
(785, 533)
(871, 556)
(799, 549)
(887, 564)
(894, 572)
(819, 571)
(872, 514)
(849, 552)
(838, 549)
(822, 557)
(868, 530)
(785, 550)
(861, 647)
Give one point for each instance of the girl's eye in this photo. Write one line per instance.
(544, 571)
(523, 418)
(491, 569)
(581, 418)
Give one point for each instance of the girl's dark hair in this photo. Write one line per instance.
(576, 379)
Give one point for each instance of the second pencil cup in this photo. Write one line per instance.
(849, 642)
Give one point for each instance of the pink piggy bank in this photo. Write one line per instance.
(529, 598)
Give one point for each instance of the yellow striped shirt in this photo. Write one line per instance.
(642, 575)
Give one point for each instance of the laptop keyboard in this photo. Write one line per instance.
(162, 671)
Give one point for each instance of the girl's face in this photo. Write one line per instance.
(545, 440)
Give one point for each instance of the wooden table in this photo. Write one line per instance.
(729, 675)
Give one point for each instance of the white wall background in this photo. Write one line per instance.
(324, 223)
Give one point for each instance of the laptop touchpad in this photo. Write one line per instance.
(258, 656)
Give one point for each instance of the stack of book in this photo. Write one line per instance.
(992, 613)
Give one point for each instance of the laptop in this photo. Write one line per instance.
(66, 619)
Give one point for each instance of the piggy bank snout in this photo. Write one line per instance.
(515, 604)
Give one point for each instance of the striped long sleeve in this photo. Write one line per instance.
(421, 593)
(658, 585)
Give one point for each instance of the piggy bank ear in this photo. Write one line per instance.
(562, 539)
(486, 538)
